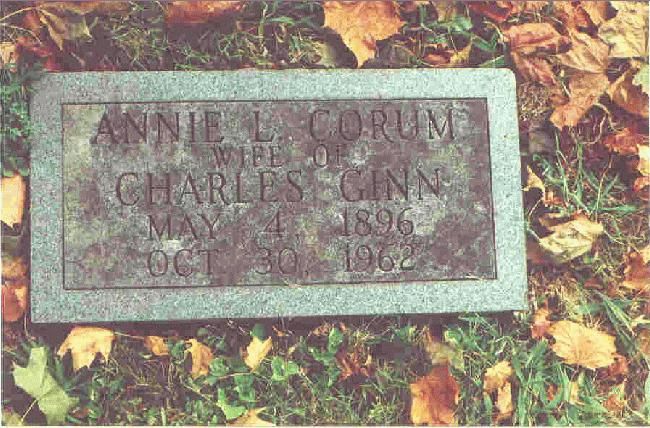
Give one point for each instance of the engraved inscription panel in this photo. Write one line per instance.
(243, 193)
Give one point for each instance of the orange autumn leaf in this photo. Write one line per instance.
(84, 343)
(584, 90)
(353, 364)
(362, 23)
(583, 346)
(626, 141)
(12, 199)
(200, 11)
(628, 95)
(14, 300)
(434, 398)
(201, 358)
(534, 37)
(156, 345)
(637, 270)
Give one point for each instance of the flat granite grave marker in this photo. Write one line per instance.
(178, 195)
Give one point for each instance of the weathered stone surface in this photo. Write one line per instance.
(200, 195)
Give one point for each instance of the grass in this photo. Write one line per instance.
(300, 382)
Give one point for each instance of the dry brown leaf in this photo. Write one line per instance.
(619, 367)
(498, 11)
(14, 300)
(625, 142)
(597, 11)
(637, 270)
(616, 401)
(361, 23)
(585, 89)
(12, 199)
(629, 96)
(496, 376)
(256, 351)
(156, 345)
(84, 343)
(541, 323)
(534, 37)
(627, 32)
(200, 11)
(85, 7)
(251, 419)
(434, 398)
(504, 402)
(585, 14)
(586, 54)
(352, 364)
(201, 358)
(643, 342)
(583, 346)
(571, 239)
(534, 69)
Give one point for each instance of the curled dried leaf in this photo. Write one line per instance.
(156, 345)
(360, 24)
(201, 358)
(434, 398)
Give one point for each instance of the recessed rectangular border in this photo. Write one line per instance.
(497, 86)
(172, 286)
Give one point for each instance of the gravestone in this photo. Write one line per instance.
(176, 195)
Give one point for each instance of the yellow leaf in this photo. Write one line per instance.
(534, 182)
(496, 376)
(434, 398)
(361, 23)
(250, 419)
(504, 402)
(571, 239)
(582, 346)
(156, 345)
(84, 343)
(257, 351)
(63, 28)
(12, 198)
(201, 358)
(644, 159)
(627, 32)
